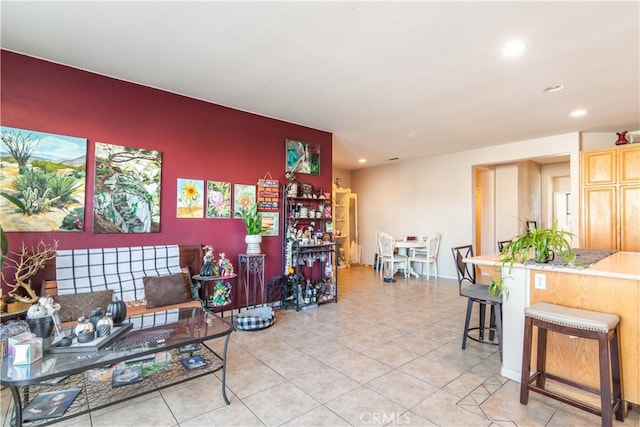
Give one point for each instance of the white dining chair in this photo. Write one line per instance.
(427, 255)
(391, 261)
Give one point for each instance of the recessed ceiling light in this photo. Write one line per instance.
(554, 88)
(578, 113)
(514, 48)
(362, 160)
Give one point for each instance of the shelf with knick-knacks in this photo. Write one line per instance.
(309, 249)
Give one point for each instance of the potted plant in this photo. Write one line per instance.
(253, 224)
(539, 244)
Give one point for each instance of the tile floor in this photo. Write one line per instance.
(385, 354)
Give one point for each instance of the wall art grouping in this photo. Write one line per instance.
(42, 181)
(127, 189)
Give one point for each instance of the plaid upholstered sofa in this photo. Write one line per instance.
(149, 279)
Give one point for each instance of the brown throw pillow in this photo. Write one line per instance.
(165, 290)
(72, 306)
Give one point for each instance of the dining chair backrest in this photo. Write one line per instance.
(466, 271)
(433, 245)
(386, 243)
(502, 243)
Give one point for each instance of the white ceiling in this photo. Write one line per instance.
(388, 79)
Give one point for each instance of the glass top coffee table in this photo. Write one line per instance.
(165, 353)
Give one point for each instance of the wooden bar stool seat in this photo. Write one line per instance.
(602, 327)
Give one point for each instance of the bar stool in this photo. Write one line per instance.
(602, 327)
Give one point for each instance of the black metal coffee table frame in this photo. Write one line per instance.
(194, 326)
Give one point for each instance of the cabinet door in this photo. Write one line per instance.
(599, 167)
(599, 218)
(629, 200)
(629, 165)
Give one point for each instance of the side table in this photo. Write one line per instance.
(251, 272)
(206, 282)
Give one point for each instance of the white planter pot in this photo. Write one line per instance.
(253, 243)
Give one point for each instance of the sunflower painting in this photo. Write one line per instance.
(218, 199)
(244, 197)
(190, 201)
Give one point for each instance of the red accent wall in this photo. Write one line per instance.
(199, 140)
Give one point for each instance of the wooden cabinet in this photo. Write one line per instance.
(610, 207)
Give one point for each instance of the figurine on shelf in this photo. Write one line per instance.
(221, 294)
(622, 138)
(224, 265)
(208, 267)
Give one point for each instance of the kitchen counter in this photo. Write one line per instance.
(610, 285)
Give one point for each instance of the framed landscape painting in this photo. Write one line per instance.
(43, 181)
(126, 195)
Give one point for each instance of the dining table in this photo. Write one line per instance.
(403, 249)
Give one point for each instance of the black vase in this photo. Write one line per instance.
(94, 315)
(41, 326)
(118, 310)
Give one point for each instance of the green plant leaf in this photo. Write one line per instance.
(15, 201)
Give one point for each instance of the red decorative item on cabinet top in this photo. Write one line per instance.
(622, 138)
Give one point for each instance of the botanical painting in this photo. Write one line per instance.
(126, 196)
(269, 221)
(218, 199)
(42, 181)
(303, 157)
(244, 197)
(190, 201)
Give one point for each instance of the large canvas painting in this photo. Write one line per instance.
(127, 190)
(190, 198)
(303, 157)
(42, 181)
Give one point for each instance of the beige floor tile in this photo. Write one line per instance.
(318, 417)
(465, 384)
(293, 364)
(328, 352)
(390, 354)
(195, 397)
(436, 373)
(402, 388)
(442, 409)
(280, 404)
(412, 419)
(236, 414)
(363, 406)
(325, 384)
(504, 404)
(150, 412)
(252, 380)
(361, 368)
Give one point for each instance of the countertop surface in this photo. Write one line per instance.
(620, 265)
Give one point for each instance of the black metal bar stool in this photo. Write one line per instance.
(602, 327)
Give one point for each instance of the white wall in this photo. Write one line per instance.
(508, 224)
(549, 174)
(344, 175)
(436, 194)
